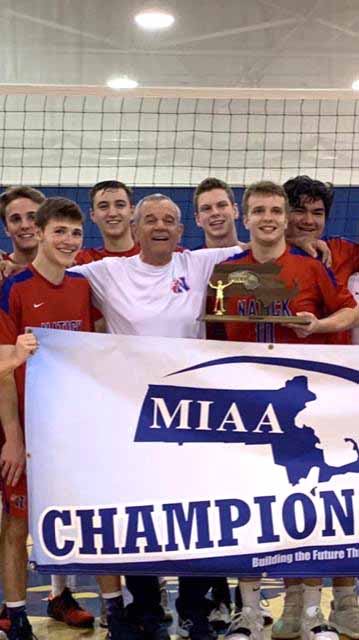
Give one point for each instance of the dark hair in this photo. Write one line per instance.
(58, 209)
(110, 185)
(13, 193)
(208, 185)
(263, 187)
(313, 189)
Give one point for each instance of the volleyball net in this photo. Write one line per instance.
(69, 142)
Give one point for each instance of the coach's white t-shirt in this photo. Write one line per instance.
(136, 298)
(353, 286)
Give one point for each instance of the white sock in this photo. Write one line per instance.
(311, 596)
(341, 592)
(71, 582)
(251, 593)
(58, 584)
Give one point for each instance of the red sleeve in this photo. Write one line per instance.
(81, 257)
(335, 296)
(10, 313)
(95, 315)
(345, 256)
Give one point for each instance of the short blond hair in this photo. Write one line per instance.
(266, 188)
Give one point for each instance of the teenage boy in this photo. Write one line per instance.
(111, 210)
(328, 308)
(44, 294)
(18, 206)
(310, 202)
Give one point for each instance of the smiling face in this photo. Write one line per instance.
(266, 219)
(307, 219)
(112, 212)
(216, 215)
(60, 241)
(158, 231)
(20, 224)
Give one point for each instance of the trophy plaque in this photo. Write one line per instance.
(258, 281)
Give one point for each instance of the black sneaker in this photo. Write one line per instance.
(21, 629)
(122, 625)
(198, 627)
(155, 625)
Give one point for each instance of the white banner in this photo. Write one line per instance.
(159, 455)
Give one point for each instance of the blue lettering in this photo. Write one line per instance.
(266, 516)
(49, 532)
(229, 522)
(106, 530)
(134, 533)
(197, 510)
(345, 517)
(289, 516)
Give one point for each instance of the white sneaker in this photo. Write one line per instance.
(289, 624)
(183, 628)
(344, 616)
(220, 617)
(267, 616)
(315, 627)
(246, 625)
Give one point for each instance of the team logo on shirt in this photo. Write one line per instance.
(179, 285)
(19, 502)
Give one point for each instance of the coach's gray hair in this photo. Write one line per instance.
(154, 197)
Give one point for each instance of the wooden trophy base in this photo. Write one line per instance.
(276, 319)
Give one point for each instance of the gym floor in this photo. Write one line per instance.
(87, 594)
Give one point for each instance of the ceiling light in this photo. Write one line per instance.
(122, 82)
(355, 85)
(154, 20)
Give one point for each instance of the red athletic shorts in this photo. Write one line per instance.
(14, 499)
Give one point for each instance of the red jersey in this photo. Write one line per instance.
(29, 300)
(6, 256)
(92, 255)
(345, 262)
(318, 293)
(345, 257)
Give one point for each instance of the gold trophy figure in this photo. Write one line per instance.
(219, 309)
(262, 282)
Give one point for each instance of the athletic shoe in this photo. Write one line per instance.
(183, 628)
(266, 615)
(5, 622)
(196, 627)
(21, 629)
(267, 618)
(65, 608)
(246, 625)
(315, 627)
(344, 616)
(103, 613)
(155, 627)
(220, 618)
(123, 626)
(289, 624)
(167, 613)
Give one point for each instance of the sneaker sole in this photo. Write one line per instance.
(320, 633)
(85, 625)
(345, 631)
